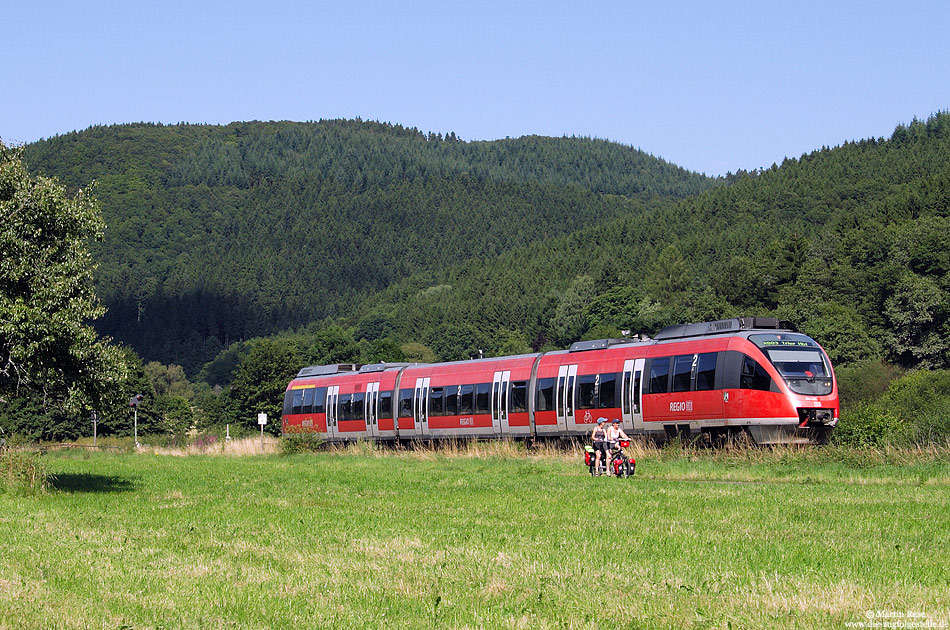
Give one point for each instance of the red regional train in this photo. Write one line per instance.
(717, 379)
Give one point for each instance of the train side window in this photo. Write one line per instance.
(682, 370)
(636, 391)
(405, 403)
(706, 371)
(608, 391)
(467, 400)
(545, 400)
(659, 375)
(519, 396)
(297, 401)
(385, 404)
(345, 406)
(625, 392)
(359, 409)
(559, 394)
(754, 375)
(586, 391)
(435, 401)
(306, 406)
(569, 399)
(483, 398)
(289, 402)
(452, 400)
(319, 400)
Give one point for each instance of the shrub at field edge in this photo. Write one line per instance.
(23, 473)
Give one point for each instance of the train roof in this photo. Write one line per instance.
(356, 368)
(350, 368)
(723, 327)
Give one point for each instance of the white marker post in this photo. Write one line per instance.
(262, 420)
(95, 422)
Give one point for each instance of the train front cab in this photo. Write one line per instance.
(802, 373)
(775, 387)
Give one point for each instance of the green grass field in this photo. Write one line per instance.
(366, 539)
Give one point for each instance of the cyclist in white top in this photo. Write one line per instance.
(615, 433)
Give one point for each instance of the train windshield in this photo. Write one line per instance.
(799, 361)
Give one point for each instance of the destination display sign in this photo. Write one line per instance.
(783, 340)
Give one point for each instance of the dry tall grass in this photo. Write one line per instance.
(573, 450)
(483, 449)
(233, 448)
(23, 472)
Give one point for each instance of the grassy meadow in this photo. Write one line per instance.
(479, 537)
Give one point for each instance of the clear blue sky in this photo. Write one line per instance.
(711, 86)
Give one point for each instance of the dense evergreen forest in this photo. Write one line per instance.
(852, 244)
(244, 252)
(220, 234)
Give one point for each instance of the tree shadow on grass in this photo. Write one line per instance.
(85, 482)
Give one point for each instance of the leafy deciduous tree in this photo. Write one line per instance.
(261, 380)
(919, 315)
(46, 294)
(568, 322)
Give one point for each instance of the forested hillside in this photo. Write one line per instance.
(218, 234)
(850, 243)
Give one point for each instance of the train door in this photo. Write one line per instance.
(333, 395)
(420, 406)
(564, 397)
(499, 402)
(630, 395)
(707, 402)
(371, 409)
